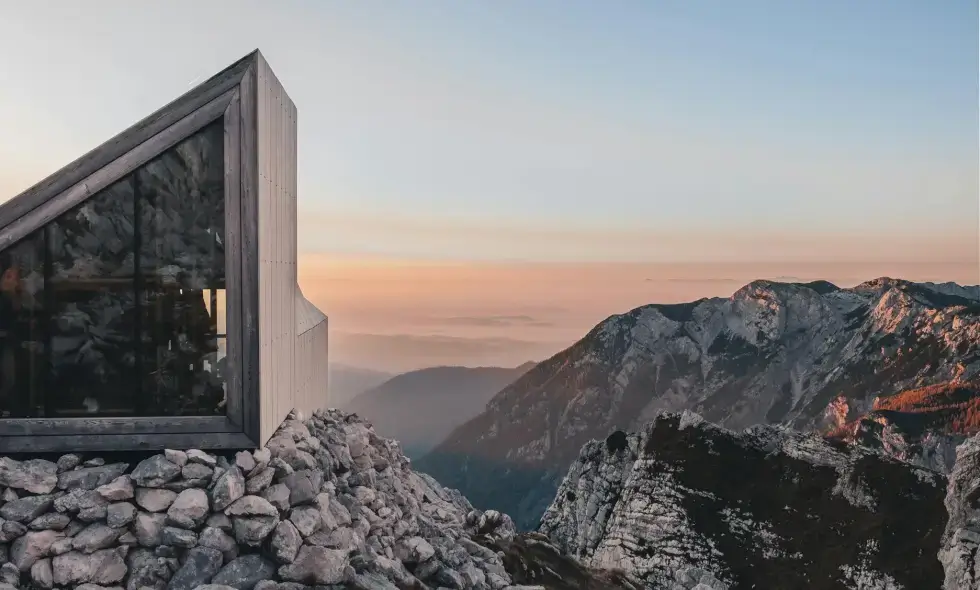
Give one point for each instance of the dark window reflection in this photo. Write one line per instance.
(181, 227)
(116, 307)
(92, 304)
(22, 322)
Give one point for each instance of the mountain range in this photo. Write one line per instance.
(345, 382)
(812, 356)
(420, 408)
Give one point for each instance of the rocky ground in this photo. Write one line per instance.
(325, 504)
(685, 504)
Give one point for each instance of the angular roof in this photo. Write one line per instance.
(126, 151)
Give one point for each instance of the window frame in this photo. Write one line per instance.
(229, 97)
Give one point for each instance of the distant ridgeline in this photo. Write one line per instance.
(890, 361)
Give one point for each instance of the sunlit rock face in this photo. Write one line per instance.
(684, 502)
(922, 426)
(812, 356)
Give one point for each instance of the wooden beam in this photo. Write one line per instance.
(41, 427)
(124, 442)
(249, 325)
(233, 258)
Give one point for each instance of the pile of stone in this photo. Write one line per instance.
(326, 503)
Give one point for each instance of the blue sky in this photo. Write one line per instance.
(445, 144)
(548, 130)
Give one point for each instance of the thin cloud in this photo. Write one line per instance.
(406, 352)
(503, 321)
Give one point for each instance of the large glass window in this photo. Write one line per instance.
(113, 309)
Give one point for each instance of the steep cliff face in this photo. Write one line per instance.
(961, 539)
(685, 502)
(771, 353)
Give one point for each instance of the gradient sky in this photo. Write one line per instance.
(506, 152)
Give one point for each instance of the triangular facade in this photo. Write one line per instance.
(148, 293)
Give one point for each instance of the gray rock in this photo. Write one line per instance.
(316, 565)
(9, 495)
(96, 536)
(178, 458)
(220, 520)
(27, 508)
(178, 537)
(42, 575)
(339, 538)
(216, 538)
(120, 514)
(10, 530)
(154, 472)
(26, 550)
(244, 461)
(302, 488)
(200, 565)
(94, 462)
(228, 488)
(9, 574)
(252, 531)
(117, 490)
(102, 567)
(154, 499)
(262, 456)
(60, 546)
(52, 521)
(189, 510)
(414, 550)
(87, 504)
(285, 543)
(278, 496)
(282, 468)
(246, 571)
(251, 506)
(259, 480)
(307, 519)
(148, 527)
(89, 478)
(198, 456)
(146, 570)
(69, 461)
(36, 476)
(197, 472)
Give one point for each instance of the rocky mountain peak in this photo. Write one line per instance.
(772, 353)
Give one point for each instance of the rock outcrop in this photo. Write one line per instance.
(326, 503)
(922, 426)
(959, 554)
(776, 353)
(686, 504)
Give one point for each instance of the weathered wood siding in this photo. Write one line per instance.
(276, 155)
(311, 356)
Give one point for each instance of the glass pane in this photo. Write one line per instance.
(22, 328)
(181, 229)
(92, 305)
(116, 308)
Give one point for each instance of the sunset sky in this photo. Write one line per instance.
(481, 182)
